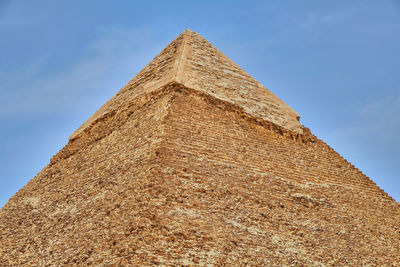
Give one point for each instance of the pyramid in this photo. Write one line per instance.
(194, 162)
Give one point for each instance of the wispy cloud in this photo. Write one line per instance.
(116, 51)
(376, 123)
(313, 20)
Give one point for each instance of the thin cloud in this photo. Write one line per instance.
(314, 20)
(26, 93)
(376, 124)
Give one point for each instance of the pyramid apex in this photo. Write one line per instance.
(190, 173)
(188, 32)
(192, 61)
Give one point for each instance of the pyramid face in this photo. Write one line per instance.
(192, 61)
(194, 162)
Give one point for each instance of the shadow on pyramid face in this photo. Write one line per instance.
(192, 61)
(189, 165)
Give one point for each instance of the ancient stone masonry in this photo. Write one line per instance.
(194, 62)
(194, 162)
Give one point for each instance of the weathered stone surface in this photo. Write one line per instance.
(172, 174)
(194, 62)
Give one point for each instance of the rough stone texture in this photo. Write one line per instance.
(194, 62)
(204, 68)
(175, 175)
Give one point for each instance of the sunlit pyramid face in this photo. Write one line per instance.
(195, 163)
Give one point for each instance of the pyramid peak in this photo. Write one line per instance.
(187, 173)
(192, 61)
(188, 31)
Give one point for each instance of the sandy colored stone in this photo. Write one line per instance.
(179, 169)
(192, 61)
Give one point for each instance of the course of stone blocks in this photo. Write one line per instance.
(193, 163)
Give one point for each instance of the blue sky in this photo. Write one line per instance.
(337, 63)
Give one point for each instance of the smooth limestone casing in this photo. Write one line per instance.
(178, 176)
(194, 62)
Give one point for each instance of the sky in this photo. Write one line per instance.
(337, 63)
